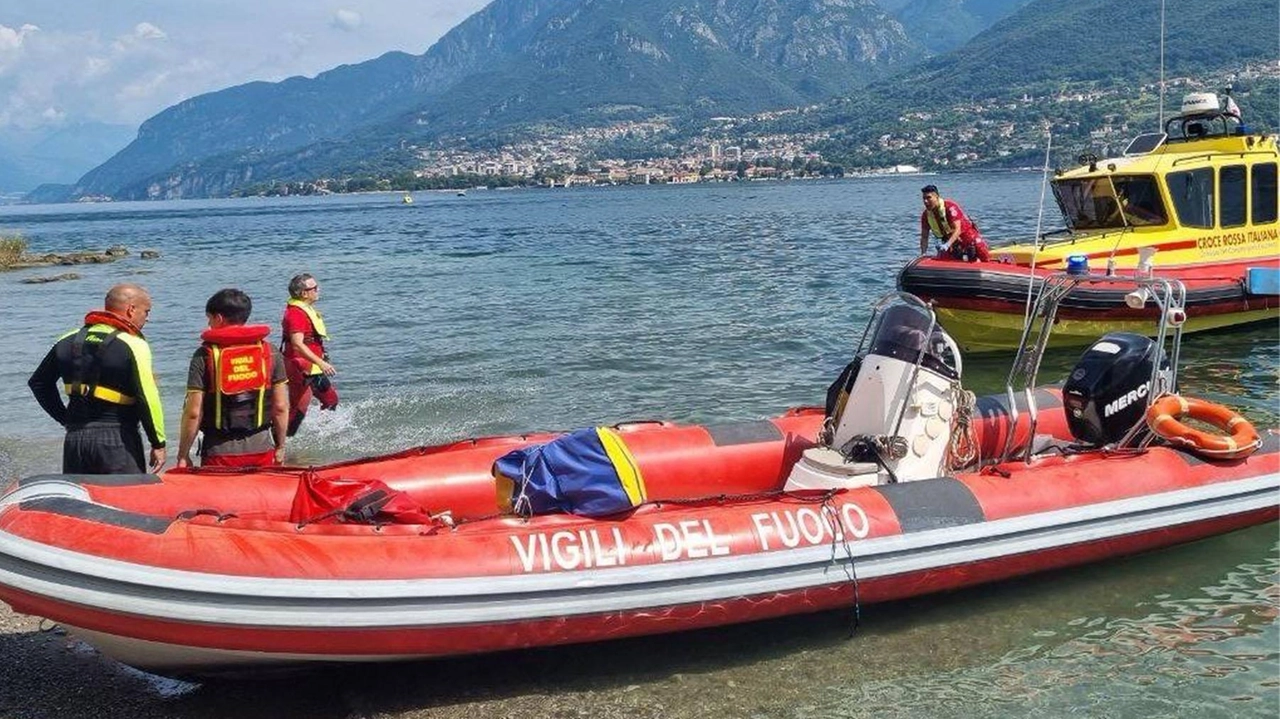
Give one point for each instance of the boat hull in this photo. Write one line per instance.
(983, 305)
(179, 648)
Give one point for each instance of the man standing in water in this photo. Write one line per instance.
(236, 395)
(945, 219)
(105, 368)
(305, 358)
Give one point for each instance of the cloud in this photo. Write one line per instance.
(95, 66)
(54, 76)
(124, 62)
(147, 31)
(11, 39)
(144, 87)
(143, 33)
(295, 39)
(348, 20)
(11, 42)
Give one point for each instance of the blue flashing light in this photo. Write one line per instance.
(1078, 265)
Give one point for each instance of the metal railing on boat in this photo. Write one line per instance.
(1169, 296)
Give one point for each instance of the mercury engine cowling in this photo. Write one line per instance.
(1106, 393)
(888, 421)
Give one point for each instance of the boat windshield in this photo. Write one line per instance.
(1095, 203)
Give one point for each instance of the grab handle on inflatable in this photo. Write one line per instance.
(638, 423)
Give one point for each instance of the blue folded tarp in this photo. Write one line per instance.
(588, 472)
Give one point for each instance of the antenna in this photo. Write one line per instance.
(1161, 113)
(1044, 183)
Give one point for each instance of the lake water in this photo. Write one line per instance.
(505, 311)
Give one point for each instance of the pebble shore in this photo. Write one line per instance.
(47, 674)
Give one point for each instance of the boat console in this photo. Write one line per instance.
(892, 418)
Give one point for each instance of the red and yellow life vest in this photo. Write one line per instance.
(239, 373)
(313, 340)
(938, 220)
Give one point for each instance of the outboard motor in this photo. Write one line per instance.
(865, 443)
(1106, 394)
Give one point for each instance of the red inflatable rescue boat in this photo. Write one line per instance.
(903, 485)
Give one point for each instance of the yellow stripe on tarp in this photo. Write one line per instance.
(503, 487)
(624, 464)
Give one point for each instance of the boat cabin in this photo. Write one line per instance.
(1205, 171)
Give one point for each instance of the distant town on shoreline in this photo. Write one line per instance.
(963, 136)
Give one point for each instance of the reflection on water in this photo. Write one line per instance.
(1240, 369)
(1212, 653)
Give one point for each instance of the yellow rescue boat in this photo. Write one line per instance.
(1197, 202)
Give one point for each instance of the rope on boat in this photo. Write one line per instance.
(963, 449)
(838, 535)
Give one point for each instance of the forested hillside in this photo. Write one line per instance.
(1074, 66)
(944, 25)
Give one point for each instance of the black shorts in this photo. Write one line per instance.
(103, 449)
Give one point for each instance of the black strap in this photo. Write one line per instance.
(86, 367)
(361, 510)
(206, 512)
(78, 359)
(365, 509)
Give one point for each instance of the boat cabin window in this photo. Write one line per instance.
(1192, 193)
(1231, 194)
(1264, 193)
(1196, 126)
(1096, 202)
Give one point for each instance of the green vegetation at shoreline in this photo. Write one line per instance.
(13, 248)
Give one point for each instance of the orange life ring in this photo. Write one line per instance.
(1162, 418)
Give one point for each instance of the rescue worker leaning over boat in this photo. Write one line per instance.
(105, 368)
(236, 392)
(947, 221)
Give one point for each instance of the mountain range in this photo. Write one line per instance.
(522, 63)
(58, 154)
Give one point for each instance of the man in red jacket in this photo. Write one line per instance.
(305, 357)
(947, 221)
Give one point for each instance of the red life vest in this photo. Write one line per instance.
(105, 317)
(238, 369)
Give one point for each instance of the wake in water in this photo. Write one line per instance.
(390, 420)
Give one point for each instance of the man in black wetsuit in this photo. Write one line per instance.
(105, 368)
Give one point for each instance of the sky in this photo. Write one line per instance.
(122, 61)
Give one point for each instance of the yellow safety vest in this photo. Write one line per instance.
(317, 326)
(938, 220)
